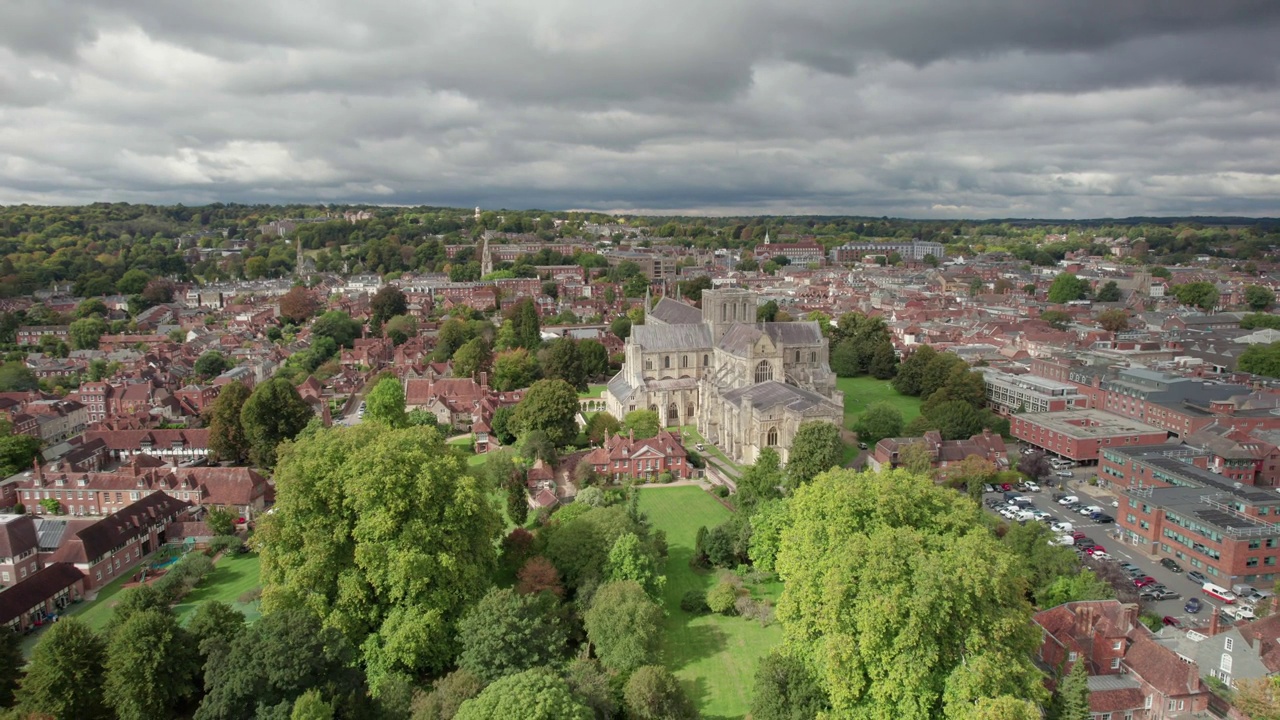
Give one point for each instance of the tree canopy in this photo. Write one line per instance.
(898, 555)
(551, 407)
(273, 413)
(1067, 287)
(408, 542)
(531, 695)
(816, 448)
(385, 403)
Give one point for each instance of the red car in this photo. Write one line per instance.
(1096, 549)
(1006, 487)
(1171, 620)
(1144, 581)
(1077, 535)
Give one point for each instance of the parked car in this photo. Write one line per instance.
(1065, 540)
(1103, 518)
(1085, 543)
(1006, 487)
(1033, 487)
(1089, 510)
(1062, 527)
(1058, 496)
(1068, 500)
(1096, 549)
(1161, 594)
(1193, 605)
(988, 488)
(1063, 474)
(1219, 592)
(1171, 565)
(1144, 581)
(1078, 535)
(1197, 577)
(1127, 566)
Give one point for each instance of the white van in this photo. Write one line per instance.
(1219, 592)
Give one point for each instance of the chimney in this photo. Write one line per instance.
(986, 432)
(484, 381)
(39, 471)
(1213, 622)
(632, 434)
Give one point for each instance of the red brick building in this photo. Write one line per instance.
(103, 549)
(33, 601)
(1079, 435)
(19, 548)
(988, 446)
(1131, 676)
(625, 456)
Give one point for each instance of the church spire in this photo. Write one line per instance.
(766, 237)
(486, 257)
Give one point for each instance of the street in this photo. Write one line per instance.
(1107, 536)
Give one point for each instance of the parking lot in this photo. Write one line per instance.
(1107, 535)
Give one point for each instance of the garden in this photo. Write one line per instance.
(862, 392)
(714, 656)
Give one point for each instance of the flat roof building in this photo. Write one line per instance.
(1080, 434)
(1011, 393)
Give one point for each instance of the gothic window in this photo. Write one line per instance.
(735, 312)
(648, 364)
(797, 356)
(724, 312)
(673, 415)
(772, 438)
(688, 410)
(764, 372)
(684, 361)
(666, 361)
(813, 357)
(704, 361)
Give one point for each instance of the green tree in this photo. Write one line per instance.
(501, 424)
(1057, 319)
(337, 326)
(17, 452)
(550, 406)
(645, 423)
(1261, 360)
(624, 626)
(601, 426)
(786, 690)
(211, 363)
(958, 420)
(595, 358)
(560, 360)
(1067, 287)
(579, 546)
(1072, 702)
(1260, 320)
(1161, 272)
(884, 362)
(221, 521)
(85, 332)
(768, 522)
(91, 307)
(1084, 585)
(621, 327)
(227, 440)
(273, 413)
(531, 695)
(1110, 292)
(815, 449)
(133, 282)
(152, 667)
(629, 559)
(447, 695)
(385, 404)
(1258, 297)
(857, 539)
(214, 625)
(388, 302)
(274, 661)
(16, 377)
(911, 371)
(65, 676)
(525, 325)
(1202, 295)
(760, 482)
(310, 705)
(11, 663)
(721, 597)
(767, 312)
(517, 503)
(514, 369)
(472, 358)
(508, 632)
(881, 420)
(653, 693)
(591, 683)
(409, 542)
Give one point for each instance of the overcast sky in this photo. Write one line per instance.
(915, 108)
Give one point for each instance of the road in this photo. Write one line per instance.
(1108, 536)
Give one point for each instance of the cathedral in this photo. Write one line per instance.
(745, 385)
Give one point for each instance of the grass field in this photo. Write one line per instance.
(233, 576)
(862, 392)
(714, 656)
(593, 391)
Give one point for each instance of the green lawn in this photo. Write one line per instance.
(233, 576)
(862, 392)
(593, 391)
(714, 656)
(97, 612)
(693, 437)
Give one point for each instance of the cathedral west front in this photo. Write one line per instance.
(745, 385)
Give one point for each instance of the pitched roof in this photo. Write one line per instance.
(111, 531)
(672, 337)
(674, 312)
(794, 333)
(773, 393)
(17, 535)
(44, 584)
